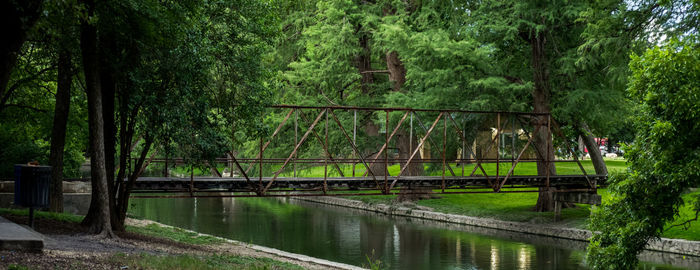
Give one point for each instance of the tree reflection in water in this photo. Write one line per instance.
(351, 236)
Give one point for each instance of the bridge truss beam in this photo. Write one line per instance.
(481, 134)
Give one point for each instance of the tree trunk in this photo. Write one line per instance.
(126, 134)
(397, 72)
(403, 142)
(364, 64)
(16, 18)
(98, 219)
(593, 150)
(122, 200)
(541, 98)
(58, 132)
(108, 89)
(109, 126)
(377, 167)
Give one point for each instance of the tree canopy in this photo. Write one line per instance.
(664, 158)
(191, 79)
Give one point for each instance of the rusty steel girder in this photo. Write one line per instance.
(484, 145)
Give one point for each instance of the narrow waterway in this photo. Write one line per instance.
(355, 237)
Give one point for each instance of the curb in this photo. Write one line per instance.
(268, 250)
(14, 236)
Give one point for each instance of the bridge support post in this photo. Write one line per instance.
(573, 197)
(557, 210)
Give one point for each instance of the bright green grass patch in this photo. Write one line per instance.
(686, 213)
(147, 261)
(522, 168)
(518, 207)
(175, 234)
(42, 215)
(17, 267)
(182, 170)
(502, 206)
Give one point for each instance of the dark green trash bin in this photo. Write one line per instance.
(32, 187)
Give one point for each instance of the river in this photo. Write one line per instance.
(355, 237)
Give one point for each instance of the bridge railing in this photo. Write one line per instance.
(389, 146)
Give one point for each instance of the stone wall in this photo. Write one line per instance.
(76, 196)
(73, 203)
(68, 187)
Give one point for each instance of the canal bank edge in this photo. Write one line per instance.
(268, 250)
(677, 246)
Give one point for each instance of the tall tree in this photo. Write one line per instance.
(537, 43)
(647, 197)
(63, 38)
(35, 86)
(343, 62)
(663, 159)
(98, 218)
(58, 132)
(168, 73)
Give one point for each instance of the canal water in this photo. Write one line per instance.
(357, 237)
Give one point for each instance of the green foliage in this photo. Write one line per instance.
(186, 73)
(25, 136)
(473, 55)
(579, 92)
(372, 263)
(518, 207)
(17, 267)
(26, 112)
(42, 215)
(664, 159)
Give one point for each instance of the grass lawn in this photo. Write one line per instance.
(176, 262)
(518, 206)
(154, 230)
(165, 262)
(523, 168)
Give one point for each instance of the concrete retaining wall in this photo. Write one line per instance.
(74, 203)
(68, 187)
(76, 196)
(678, 246)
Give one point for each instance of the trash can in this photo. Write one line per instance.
(32, 187)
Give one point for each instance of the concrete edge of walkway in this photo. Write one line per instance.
(17, 237)
(268, 250)
(677, 246)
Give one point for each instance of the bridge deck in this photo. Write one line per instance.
(173, 184)
(485, 137)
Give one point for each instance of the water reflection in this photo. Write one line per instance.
(354, 237)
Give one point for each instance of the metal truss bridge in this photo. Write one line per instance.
(341, 151)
